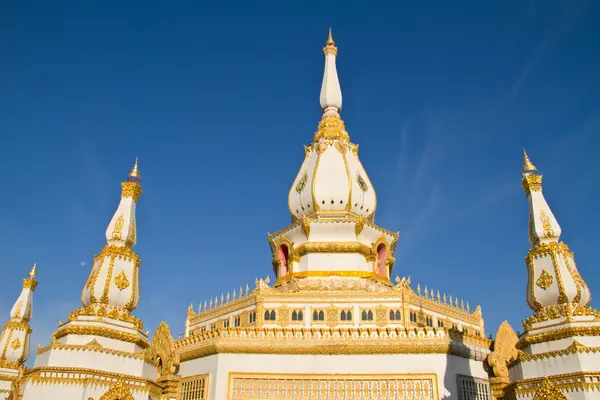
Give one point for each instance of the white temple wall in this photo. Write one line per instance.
(446, 367)
(333, 262)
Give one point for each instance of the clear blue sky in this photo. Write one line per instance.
(217, 100)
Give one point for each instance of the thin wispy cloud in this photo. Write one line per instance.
(573, 11)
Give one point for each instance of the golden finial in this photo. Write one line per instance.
(33, 272)
(330, 38)
(330, 45)
(528, 166)
(135, 174)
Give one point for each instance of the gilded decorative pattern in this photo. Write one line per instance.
(349, 201)
(131, 241)
(131, 189)
(545, 280)
(558, 334)
(562, 296)
(302, 182)
(361, 183)
(331, 127)
(329, 341)
(334, 247)
(132, 304)
(344, 217)
(162, 348)
(30, 284)
(244, 386)
(121, 281)
(532, 183)
(332, 316)
(546, 225)
(283, 316)
(381, 315)
(111, 265)
(101, 331)
(95, 347)
(505, 350)
(117, 231)
(15, 344)
(103, 310)
(314, 179)
(89, 377)
(548, 392)
(574, 348)
(559, 311)
(119, 391)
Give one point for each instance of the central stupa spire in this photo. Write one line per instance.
(331, 93)
(333, 203)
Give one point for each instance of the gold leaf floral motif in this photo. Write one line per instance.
(302, 182)
(548, 231)
(131, 189)
(548, 392)
(15, 344)
(361, 182)
(121, 281)
(116, 235)
(545, 280)
(18, 309)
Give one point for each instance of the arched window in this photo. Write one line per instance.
(381, 259)
(392, 315)
(363, 315)
(398, 315)
(315, 315)
(343, 316)
(349, 316)
(267, 315)
(321, 316)
(283, 253)
(272, 315)
(294, 315)
(370, 315)
(300, 316)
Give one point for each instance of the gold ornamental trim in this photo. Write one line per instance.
(89, 377)
(101, 331)
(331, 127)
(103, 310)
(131, 189)
(558, 334)
(574, 348)
(532, 183)
(264, 386)
(30, 284)
(119, 391)
(572, 382)
(334, 247)
(326, 341)
(545, 280)
(95, 347)
(560, 311)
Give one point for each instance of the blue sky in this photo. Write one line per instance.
(218, 100)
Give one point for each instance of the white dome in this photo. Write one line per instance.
(332, 177)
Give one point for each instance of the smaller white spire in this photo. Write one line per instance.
(14, 338)
(331, 93)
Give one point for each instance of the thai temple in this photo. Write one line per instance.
(334, 323)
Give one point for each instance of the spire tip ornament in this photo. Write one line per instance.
(528, 167)
(135, 174)
(33, 272)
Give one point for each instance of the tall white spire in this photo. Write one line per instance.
(553, 276)
(331, 93)
(14, 340)
(114, 280)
